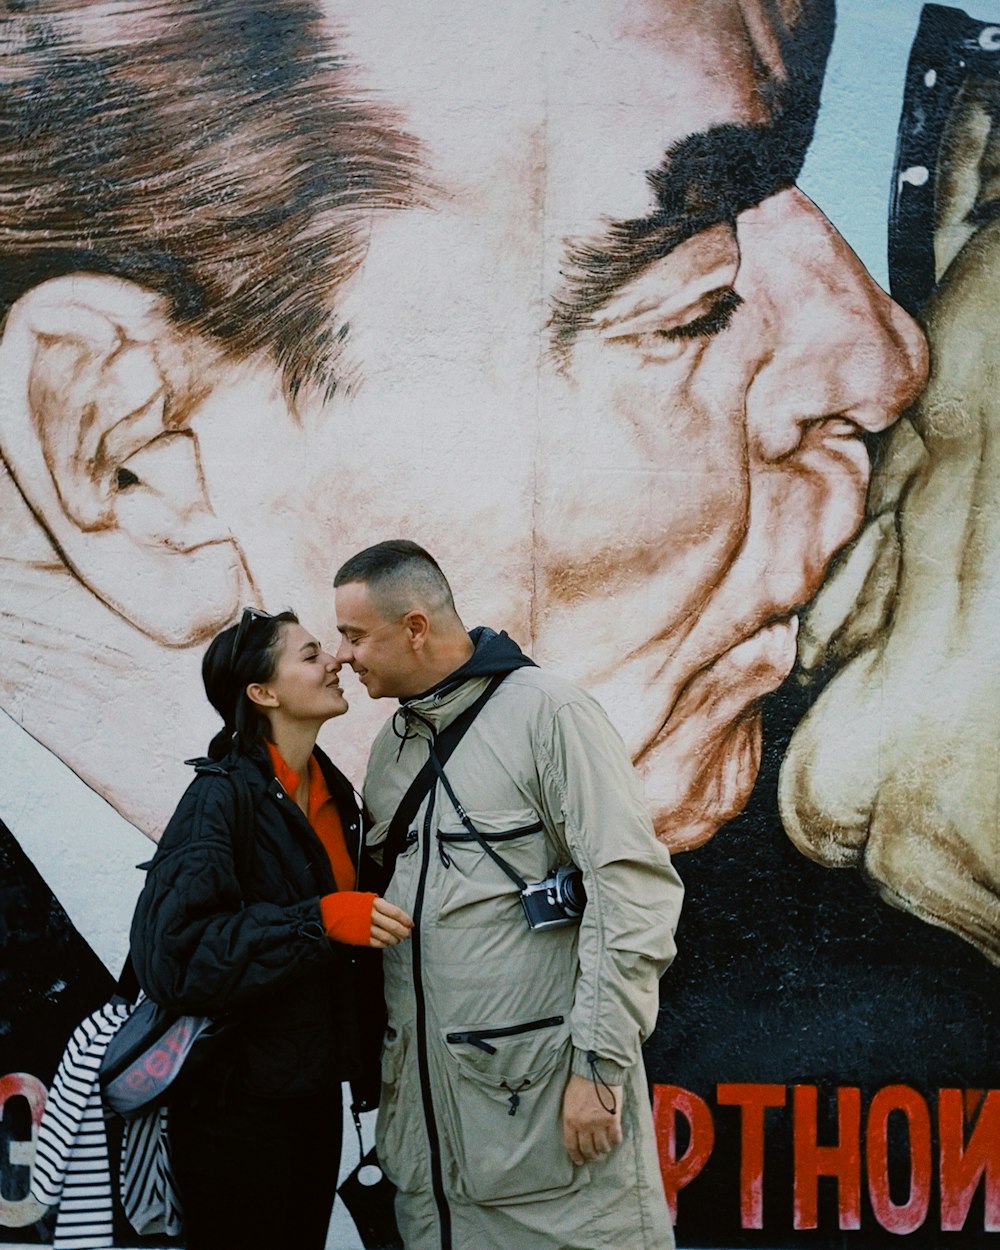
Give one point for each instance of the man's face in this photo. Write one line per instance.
(646, 510)
(374, 645)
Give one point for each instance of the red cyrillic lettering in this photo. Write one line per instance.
(963, 1164)
(908, 1216)
(753, 1101)
(669, 1101)
(842, 1161)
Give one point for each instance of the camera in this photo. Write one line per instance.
(559, 899)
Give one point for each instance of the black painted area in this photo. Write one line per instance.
(792, 973)
(49, 980)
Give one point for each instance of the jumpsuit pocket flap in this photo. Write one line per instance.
(504, 1088)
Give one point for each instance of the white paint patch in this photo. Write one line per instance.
(84, 850)
(916, 176)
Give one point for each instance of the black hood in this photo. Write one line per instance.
(494, 653)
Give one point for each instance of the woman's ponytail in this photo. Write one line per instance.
(222, 743)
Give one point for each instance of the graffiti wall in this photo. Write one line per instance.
(540, 286)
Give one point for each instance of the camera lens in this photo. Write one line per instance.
(574, 896)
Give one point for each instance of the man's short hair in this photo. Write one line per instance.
(218, 152)
(400, 575)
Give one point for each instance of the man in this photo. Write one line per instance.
(515, 1109)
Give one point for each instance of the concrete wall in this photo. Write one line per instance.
(533, 284)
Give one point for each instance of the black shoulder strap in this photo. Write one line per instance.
(444, 744)
(463, 816)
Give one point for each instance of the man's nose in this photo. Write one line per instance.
(840, 350)
(343, 653)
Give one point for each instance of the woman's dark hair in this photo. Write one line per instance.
(236, 658)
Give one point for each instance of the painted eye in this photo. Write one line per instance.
(661, 333)
(710, 323)
(124, 478)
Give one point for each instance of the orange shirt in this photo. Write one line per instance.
(346, 914)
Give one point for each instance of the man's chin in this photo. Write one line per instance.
(693, 789)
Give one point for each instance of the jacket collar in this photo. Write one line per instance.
(431, 711)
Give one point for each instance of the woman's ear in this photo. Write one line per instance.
(96, 388)
(262, 695)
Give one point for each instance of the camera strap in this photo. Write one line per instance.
(443, 743)
(463, 816)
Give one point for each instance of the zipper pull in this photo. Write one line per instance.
(445, 857)
(515, 1096)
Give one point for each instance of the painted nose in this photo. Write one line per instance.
(840, 351)
(832, 358)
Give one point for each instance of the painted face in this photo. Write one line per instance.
(645, 501)
(306, 682)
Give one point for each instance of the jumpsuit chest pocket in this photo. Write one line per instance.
(503, 1092)
(470, 888)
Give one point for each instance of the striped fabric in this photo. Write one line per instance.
(147, 1184)
(72, 1168)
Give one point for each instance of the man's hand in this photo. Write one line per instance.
(390, 924)
(590, 1131)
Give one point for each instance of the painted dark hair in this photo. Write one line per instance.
(222, 153)
(236, 658)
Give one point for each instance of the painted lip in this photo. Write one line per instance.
(752, 667)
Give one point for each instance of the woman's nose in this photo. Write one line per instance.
(840, 350)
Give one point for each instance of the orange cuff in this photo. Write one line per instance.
(347, 916)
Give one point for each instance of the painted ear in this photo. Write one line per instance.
(96, 387)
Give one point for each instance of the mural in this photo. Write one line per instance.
(907, 618)
(533, 285)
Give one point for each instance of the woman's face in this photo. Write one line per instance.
(305, 685)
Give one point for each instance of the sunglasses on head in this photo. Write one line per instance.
(246, 620)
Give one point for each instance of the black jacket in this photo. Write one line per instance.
(306, 1012)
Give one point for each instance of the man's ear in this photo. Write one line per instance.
(96, 388)
(417, 626)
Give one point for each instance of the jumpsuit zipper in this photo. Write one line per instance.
(430, 1123)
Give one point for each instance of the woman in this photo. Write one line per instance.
(260, 926)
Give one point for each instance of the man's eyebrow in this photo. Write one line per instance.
(703, 181)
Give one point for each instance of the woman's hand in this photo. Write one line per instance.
(390, 924)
